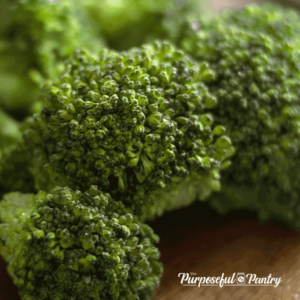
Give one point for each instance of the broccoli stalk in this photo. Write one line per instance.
(254, 55)
(71, 245)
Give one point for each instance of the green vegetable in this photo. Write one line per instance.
(10, 132)
(36, 36)
(128, 23)
(254, 56)
(14, 170)
(14, 160)
(131, 123)
(72, 245)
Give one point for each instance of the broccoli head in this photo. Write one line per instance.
(72, 245)
(254, 55)
(130, 122)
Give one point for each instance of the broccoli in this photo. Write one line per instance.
(132, 123)
(71, 245)
(10, 132)
(36, 36)
(128, 23)
(254, 55)
(14, 167)
(14, 170)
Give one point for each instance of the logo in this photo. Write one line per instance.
(237, 279)
(241, 278)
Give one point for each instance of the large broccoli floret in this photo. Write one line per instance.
(72, 245)
(14, 161)
(129, 122)
(36, 36)
(254, 53)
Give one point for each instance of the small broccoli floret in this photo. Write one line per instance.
(72, 245)
(129, 122)
(36, 36)
(254, 55)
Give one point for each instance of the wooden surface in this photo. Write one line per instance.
(198, 240)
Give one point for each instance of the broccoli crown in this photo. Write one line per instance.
(72, 245)
(254, 53)
(36, 36)
(129, 122)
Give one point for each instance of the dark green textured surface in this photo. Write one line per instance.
(254, 53)
(72, 245)
(130, 122)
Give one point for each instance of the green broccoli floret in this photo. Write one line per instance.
(72, 245)
(269, 19)
(254, 54)
(128, 23)
(14, 160)
(130, 122)
(36, 36)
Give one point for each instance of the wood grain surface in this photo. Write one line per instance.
(196, 239)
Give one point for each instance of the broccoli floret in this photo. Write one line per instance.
(36, 36)
(269, 19)
(129, 122)
(255, 58)
(72, 245)
(14, 161)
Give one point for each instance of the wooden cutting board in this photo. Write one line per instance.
(198, 240)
